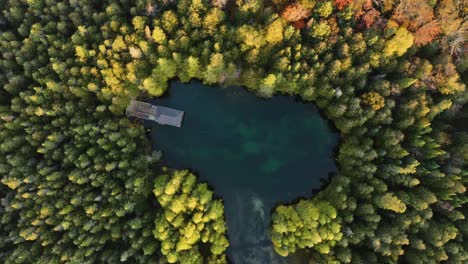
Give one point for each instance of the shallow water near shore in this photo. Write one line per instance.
(254, 152)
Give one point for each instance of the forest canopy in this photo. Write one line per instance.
(80, 183)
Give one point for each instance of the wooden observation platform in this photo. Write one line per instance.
(159, 114)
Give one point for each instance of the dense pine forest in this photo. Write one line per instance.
(80, 183)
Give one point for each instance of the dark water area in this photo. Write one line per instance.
(254, 152)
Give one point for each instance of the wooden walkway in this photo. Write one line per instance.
(160, 114)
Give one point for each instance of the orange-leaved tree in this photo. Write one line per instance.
(295, 12)
(341, 4)
(427, 33)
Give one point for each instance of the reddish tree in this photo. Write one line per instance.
(369, 18)
(341, 4)
(413, 14)
(300, 24)
(427, 33)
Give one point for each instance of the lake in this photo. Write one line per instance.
(253, 152)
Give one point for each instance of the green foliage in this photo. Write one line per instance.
(76, 177)
(391, 202)
(158, 35)
(190, 217)
(320, 30)
(399, 43)
(406, 82)
(215, 69)
(309, 4)
(274, 32)
(324, 9)
(251, 37)
(156, 83)
(307, 224)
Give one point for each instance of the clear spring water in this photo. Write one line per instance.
(254, 152)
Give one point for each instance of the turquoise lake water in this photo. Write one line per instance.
(253, 152)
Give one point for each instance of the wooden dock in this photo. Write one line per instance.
(160, 114)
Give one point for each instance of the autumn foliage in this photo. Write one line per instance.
(427, 33)
(300, 24)
(368, 19)
(418, 17)
(295, 12)
(375, 100)
(413, 14)
(341, 4)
